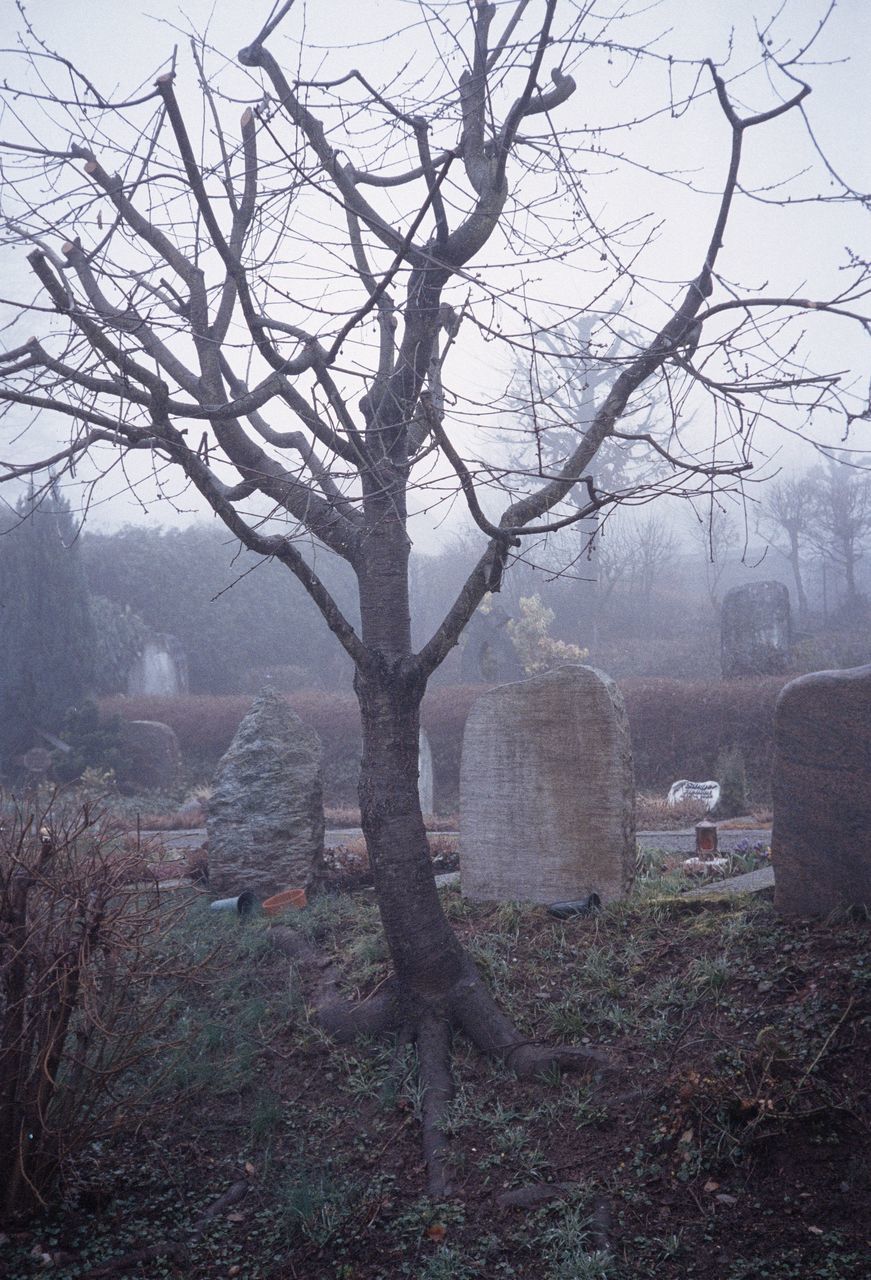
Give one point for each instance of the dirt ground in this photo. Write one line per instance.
(727, 1140)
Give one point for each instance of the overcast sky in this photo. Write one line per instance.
(121, 43)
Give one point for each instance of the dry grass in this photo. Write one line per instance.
(338, 818)
(653, 813)
(188, 820)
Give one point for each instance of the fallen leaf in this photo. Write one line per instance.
(711, 1185)
(724, 1199)
(249, 1169)
(817, 1231)
(437, 1231)
(236, 1216)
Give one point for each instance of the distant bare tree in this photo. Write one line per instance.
(715, 534)
(841, 526)
(293, 314)
(786, 519)
(631, 554)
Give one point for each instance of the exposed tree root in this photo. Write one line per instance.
(341, 1018)
(434, 1062)
(468, 1006)
(474, 1009)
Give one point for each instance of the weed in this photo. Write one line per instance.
(709, 974)
(311, 1204)
(446, 1264)
(267, 1114)
(566, 1248)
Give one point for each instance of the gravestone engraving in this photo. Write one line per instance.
(821, 787)
(755, 630)
(266, 815)
(547, 796)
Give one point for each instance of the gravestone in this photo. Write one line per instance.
(160, 670)
(547, 795)
(150, 756)
(821, 787)
(266, 815)
(424, 774)
(488, 652)
(755, 630)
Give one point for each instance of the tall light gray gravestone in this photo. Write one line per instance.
(755, 630)
(821, 785)
(547, 793)
(424, 773)
(266, 812)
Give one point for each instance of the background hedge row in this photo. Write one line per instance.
(679, 729)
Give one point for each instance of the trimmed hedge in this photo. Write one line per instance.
(679, 729)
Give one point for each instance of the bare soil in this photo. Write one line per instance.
(728, 1141)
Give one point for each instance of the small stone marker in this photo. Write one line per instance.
(425, 775)
(706, 792)
(755, 630)
(266, 814)
(547, 796)
(821, 786)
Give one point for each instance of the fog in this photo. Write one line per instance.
(640, 590)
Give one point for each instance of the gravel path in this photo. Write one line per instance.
(671, 841)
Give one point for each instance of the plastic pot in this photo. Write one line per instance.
(243, 905)
(288, 900)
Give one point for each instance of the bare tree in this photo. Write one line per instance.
(636, 554)
(841, 510)
(715, 533)
(786, 519)
(210, 305)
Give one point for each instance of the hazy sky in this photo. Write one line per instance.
(120, 44)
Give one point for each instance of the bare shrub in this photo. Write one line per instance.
(82, 986)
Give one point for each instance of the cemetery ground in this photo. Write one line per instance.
(727, 1135)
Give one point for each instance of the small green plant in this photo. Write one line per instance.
(569, 1249)
(446, 1264)
(313, 1205)
(95, 745)
(709, 974)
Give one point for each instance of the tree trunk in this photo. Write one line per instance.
(800, 595)
(850, 559)
(425, 951)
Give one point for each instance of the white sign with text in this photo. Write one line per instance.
(707, 792)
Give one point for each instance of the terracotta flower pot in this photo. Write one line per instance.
(289, 899)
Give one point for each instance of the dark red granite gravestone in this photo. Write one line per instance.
(821, 840)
